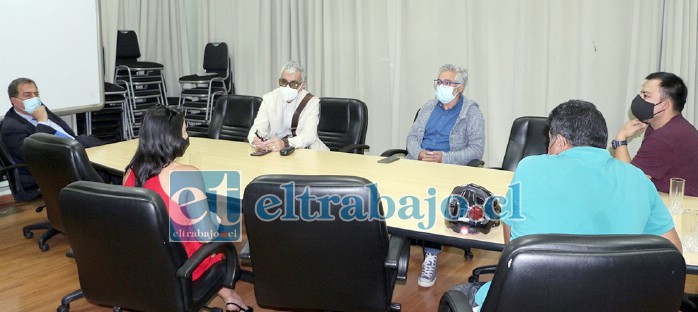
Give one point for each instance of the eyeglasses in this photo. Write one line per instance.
(293, 84)
(445, 83)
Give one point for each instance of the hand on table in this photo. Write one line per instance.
(430, 156)
(274, 144)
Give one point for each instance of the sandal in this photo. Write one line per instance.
(240, 309)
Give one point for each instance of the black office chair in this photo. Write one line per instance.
(556, 272)
(528, 136)
(11, 171)
(233, 116)
(120, 237)
(343, 124)
(401, 151)
(55, 162)
(337, 265)
(199, 91)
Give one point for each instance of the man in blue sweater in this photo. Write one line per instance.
(448, 129)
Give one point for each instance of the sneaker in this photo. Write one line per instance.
(427, 277)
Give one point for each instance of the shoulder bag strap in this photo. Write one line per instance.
(297, 113)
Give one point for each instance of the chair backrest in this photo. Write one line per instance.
(233, 116)
(217, 60)
(55, 162)
(331, 265)
(120, 239)
(216, 57)
(528, 136)
(127, 49)
(10, 170)
(588, 273)
(342, 122)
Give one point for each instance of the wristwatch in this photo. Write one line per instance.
(616, 144)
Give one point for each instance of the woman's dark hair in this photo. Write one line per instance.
(159, 143)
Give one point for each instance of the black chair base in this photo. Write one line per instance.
(67, 299)
(43, 245)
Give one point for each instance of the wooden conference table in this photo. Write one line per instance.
(395, 180)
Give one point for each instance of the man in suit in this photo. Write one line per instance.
(288, 116)
(27, 116)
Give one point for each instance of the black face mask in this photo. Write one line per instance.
(643, 110)
(184, 148)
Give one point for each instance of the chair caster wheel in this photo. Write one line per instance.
(63, 308)
(28, 234)
(43, 246)
(468, 255)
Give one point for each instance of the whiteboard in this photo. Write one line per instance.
(56, 43)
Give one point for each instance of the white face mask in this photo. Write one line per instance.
(288, 93)
(31, 104)
(444, 94)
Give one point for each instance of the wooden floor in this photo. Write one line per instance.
(35, 281)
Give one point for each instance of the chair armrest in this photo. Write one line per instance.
(206, 250)
(490, 269)
(244, 255)
(455, 301)
(398, 256)
(351, 147)
(394, 151)
(10, 168)
(476, 163)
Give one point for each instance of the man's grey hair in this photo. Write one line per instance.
(292, 67)
(13, 88)
(461, 73)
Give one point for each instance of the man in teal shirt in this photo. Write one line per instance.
(578, 188)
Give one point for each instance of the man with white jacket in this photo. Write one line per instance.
(288, 116)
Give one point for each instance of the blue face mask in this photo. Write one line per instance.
(444, 94)
(31, 104)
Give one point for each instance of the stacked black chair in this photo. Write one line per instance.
(120, 238)
(343, 124)
(554, 272)
(111, 123)
(327, 265)
(233, 116)
(198, 91)
(144, 81)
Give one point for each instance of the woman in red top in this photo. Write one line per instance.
(162, 138)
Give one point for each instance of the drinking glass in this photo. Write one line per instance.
(689, 230)
(676, 188)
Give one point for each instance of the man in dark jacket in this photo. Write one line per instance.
(26, 117)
